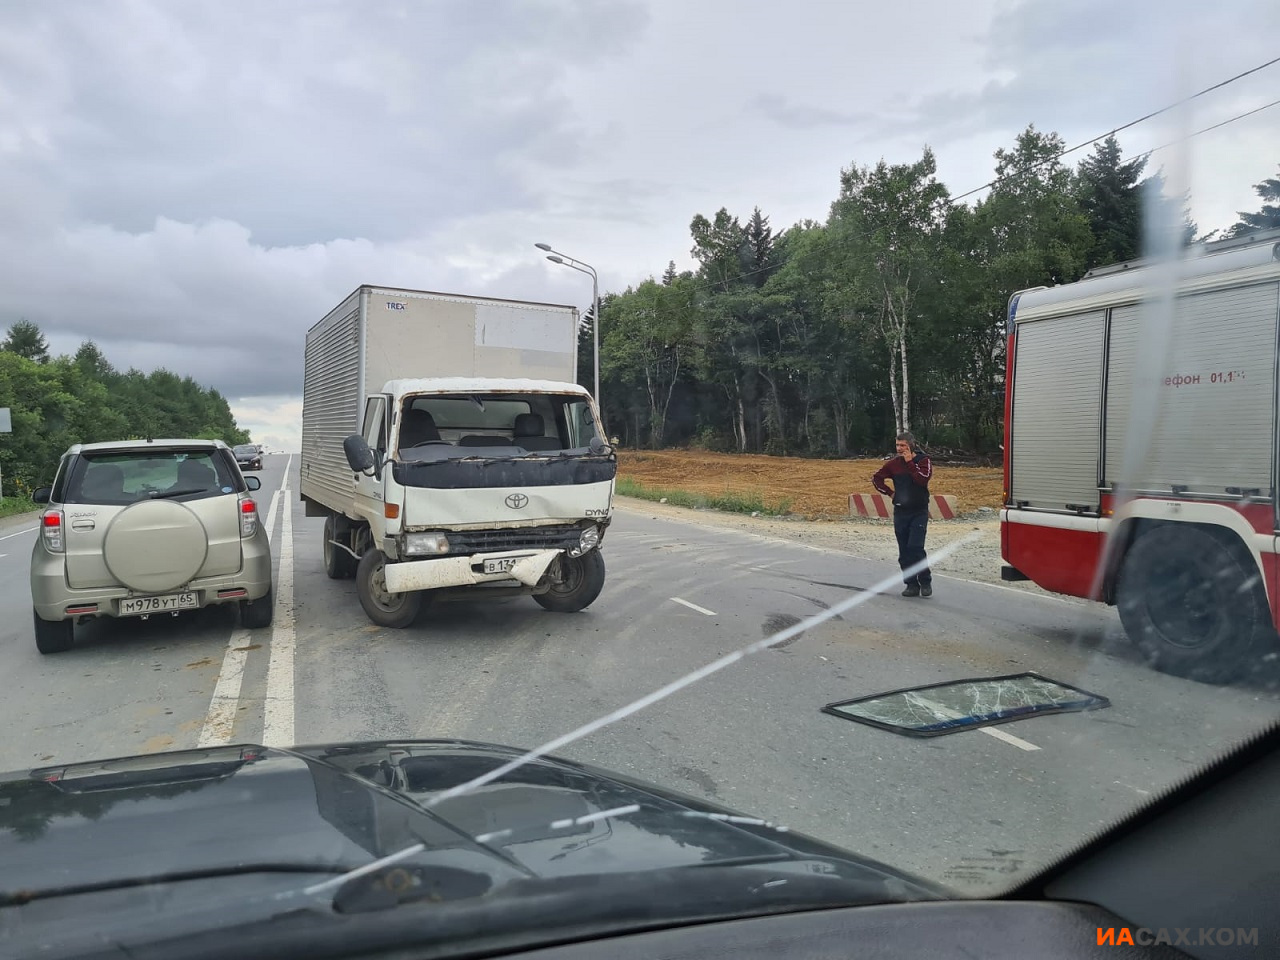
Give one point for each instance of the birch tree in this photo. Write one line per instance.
(887, 221)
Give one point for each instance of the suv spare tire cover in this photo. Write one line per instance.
(155, 545)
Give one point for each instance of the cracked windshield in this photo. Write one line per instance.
(478, 449)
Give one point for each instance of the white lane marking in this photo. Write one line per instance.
(220, 722)
(1145, 793)
(694, 606)
(950, 714)
(8, 536)
(1009, 738)
(277, 712)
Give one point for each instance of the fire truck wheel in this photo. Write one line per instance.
(1194, 604)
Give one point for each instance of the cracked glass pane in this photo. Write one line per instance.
(942, 708)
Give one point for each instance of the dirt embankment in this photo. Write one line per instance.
(810, 488)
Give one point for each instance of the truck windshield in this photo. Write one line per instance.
(451, 426)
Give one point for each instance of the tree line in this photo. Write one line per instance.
(827, 338)
(55, 402)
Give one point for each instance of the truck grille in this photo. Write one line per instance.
(551, 537)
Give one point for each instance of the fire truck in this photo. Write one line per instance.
(1140, 451)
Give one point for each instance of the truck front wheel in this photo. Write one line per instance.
(382, 607)
(1193, 604)
(581, 580)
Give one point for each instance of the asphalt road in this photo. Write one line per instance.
(974, 810)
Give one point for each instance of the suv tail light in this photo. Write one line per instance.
(51, 530)
(248, 517)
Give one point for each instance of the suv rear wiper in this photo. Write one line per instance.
(177, 493)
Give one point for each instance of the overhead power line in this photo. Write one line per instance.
(1126, 126)
(1238, 116)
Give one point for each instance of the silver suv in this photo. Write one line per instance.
(147, 527)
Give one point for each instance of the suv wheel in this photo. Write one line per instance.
(256, 614)
(53, 636)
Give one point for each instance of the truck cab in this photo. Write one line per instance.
(469, 484)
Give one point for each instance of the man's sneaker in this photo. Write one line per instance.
(926, 590)
(911, 591)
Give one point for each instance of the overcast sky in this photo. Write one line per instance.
(193, 185)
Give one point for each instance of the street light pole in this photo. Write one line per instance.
(565, 260)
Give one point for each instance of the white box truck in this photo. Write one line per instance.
(451, 454)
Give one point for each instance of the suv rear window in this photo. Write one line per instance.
(127, 477)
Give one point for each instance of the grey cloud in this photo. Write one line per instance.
(799, 116)
(206, 301)
(306, 121)
(1079, 67)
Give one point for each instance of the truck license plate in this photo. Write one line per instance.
(503, 565)
(173, 601)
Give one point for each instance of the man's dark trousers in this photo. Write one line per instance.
(910, 529)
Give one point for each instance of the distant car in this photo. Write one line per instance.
(249, 456)
(147, 527)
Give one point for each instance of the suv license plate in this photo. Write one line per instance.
(173, 601)
(503, 565)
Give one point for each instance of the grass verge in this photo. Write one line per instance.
(10, 506)
(729, 502)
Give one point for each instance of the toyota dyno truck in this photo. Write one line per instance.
(451, 453)
(1141, 455)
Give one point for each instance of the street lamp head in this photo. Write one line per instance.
(543, 246)
(555, 259)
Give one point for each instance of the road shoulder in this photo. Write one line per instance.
(865, 538)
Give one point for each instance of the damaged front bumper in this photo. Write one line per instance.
(525, 566)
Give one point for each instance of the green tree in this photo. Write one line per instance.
(92, 362)
(1171, 210)
(1267, 217)
(887, 221)
(649, 343)
(26, 340)
(1110, 193)
(760, 240)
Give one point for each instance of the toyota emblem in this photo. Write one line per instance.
(517, 501)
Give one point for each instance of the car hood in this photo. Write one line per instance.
(330, 809)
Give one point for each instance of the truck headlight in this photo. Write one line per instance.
(588, 540)
(432, 543)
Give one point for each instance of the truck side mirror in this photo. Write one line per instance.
(597, 446)
(359, 456)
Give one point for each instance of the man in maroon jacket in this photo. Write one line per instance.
(910, 472)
